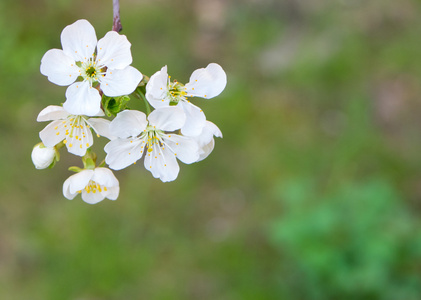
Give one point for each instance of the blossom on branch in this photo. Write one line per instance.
(103, 64)
(73, 130)
(206, 83)
(100, 79)
(94, 185)
(138, 134)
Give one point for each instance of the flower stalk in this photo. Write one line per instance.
(116, 16)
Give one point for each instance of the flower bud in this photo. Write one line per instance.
(42, 156)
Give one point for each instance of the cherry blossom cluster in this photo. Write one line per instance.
(101, 82)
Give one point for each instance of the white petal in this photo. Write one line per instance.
(209, 131)
(195, 119)
(114, 51)
(52, 112)
(101, 127)
(60, 68)
(53, 133)
(99, 114)
(157, 89)
(207, 82)
(184, 148)
(167, 118)
(82, 99)
(105, 177)
(91, 197)
(120, 82)
(79, 140)
(211, 127)
(205, 150)
(122, 153)
(112, 192)
(66, 189)
(128, 123)
(162, 163)
(79, 180)
(206, 141)
(79, 40)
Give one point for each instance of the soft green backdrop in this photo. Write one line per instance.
(313, 193)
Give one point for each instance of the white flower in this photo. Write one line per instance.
(42, 156)
(206, 141)
(206, 82)
(135, 133)
(94, 185)
(73, 130)
(108, 66)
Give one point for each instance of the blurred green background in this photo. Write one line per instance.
(313, 193)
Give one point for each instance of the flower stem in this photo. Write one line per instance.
(102, 163)
(116, 16)
(148, 108)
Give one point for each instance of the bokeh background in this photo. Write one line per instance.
(313, 193)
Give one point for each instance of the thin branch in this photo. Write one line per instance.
(116, 16)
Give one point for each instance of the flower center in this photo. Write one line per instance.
(76, 129)
(176, 92)
(91, 71)
(153, 137)
(73, 122)
(94, 187)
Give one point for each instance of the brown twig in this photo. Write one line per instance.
(116, 16)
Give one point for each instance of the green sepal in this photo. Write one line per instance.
(113, 105)
(75, 169)
(88, 163)
(89, 159)
(56, 157)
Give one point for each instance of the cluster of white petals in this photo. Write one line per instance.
(206, 83)
(175, 130)
(105, 62)
(152, 135)
(94, 185)
(73, 130)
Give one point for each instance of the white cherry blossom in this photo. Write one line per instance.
(106, 62)
(205, 139)
(206, 83)
(138, 134)
(73, 130)
(94, 185)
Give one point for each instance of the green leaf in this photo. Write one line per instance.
(113, 105)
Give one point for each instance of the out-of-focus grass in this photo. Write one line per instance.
(313, 193)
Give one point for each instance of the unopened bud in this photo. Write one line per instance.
(42, 156)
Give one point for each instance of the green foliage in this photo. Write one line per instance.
(357, 240)
(313, 193)
(113, 105)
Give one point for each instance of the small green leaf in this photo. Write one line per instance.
(113, 105)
